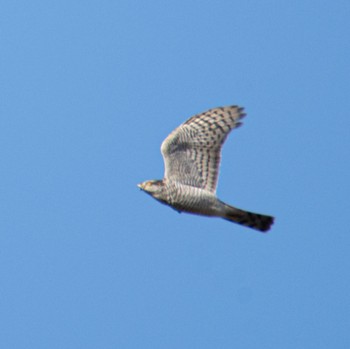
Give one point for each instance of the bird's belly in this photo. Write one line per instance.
(195, 200)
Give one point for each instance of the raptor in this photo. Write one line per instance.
(192, 154)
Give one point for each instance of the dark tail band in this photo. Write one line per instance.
(249, 219)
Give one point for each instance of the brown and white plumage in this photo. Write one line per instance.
(192, 154)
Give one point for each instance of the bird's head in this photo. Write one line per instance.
(154, 188)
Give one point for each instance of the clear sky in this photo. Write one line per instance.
(89, 90)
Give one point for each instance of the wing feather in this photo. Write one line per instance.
(192, 152)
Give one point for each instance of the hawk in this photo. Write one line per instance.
(192, 154)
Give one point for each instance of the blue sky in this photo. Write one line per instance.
(89, 90)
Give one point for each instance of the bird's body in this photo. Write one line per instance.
(187, 198)
(192, 155)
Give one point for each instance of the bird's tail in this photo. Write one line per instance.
(249, 219)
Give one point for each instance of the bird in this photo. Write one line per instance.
(192, 155)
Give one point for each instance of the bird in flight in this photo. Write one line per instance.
(192, 154)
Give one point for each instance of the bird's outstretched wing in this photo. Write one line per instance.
(192, 151)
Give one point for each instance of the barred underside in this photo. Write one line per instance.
(192, 199)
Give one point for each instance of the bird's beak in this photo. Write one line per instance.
(140, 186)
